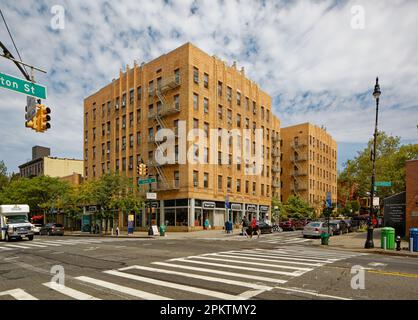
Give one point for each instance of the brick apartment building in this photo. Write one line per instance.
(308, 164)
(411, 174)
(121, 121)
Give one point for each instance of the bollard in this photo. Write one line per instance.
(384, 243)
(398, 243)
(411, 244)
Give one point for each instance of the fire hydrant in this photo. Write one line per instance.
(398, 243)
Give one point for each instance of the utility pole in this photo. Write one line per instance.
(369, 242)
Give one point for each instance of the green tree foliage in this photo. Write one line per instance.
(295, 208)
(40, 193)
(390, 166)
(3, 175)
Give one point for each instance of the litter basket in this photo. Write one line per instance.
(413, 233)
(324, 238)
(162, 230)
(389, 234)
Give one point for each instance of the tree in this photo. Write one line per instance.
(390, 166)
(296, 208)
(3, 175)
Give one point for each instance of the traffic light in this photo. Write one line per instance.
(33, 124)
(43, 118)
(142, 169)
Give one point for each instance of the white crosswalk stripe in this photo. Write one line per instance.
(245, 273)
(275, 238)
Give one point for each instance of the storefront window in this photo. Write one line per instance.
(170, 217)
(198, 217)
(182, 217)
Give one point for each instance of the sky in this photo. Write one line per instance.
(317, 59)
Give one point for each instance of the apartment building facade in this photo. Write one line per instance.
(309, 164)
(182, 90)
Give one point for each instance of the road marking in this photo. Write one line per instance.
(313, 293)
(320, 253)
(394, 273)
(232, 255)
(182, 287)
(252, 263)
(225, 273)
(292, 274)
(281, 256)
(35, 245)
(10, 258)
(91, 249)
(75, 294)
(49, 243)
(122, 289)
(6, 249)
(18, 294)
(16, 246)
(297, 254)
(200, 277)
(377, 264)
(251, 293)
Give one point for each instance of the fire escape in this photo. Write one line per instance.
(299, 173)
(164, 109)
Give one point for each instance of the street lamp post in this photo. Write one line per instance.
(369, 242)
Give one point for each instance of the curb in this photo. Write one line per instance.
(373, 251)
(110, 236)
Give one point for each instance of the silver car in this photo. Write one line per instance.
(315, 229)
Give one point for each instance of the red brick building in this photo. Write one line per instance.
(411, 195)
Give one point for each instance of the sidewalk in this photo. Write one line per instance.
(355, 242)
(168, 235)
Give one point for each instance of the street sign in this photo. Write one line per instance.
(30, 108)
(383, 184)
(145, 181)
(151, 195)
(22, 86)
(329, 201)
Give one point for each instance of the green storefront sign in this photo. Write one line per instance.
(22, 86)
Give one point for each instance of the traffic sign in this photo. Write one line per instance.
(30, 108)
(146, 181)
(22, 86)
(151, 195)
(383, 184)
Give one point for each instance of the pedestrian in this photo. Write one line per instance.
(117, 231)
(255, 227)
(206, 224)
(244, 226)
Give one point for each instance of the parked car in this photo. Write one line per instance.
(265, 227)
(52, 229)
(315, 229)
(292, 224)
(37, 228)
(337, 227)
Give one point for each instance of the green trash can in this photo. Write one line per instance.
(324, 238)
(162, 230)
(389, 234)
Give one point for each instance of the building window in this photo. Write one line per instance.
(123, 143)
(123, 122)
(229, 116)
(176, 128)
(195, 123)
(139, 93)
(176, 179)
(131, 97)
(262, 112)
(238, 185)
(117, 164)
(117, 103)
(219, 182)
(206, 129)
(219, 157)
(151, 110)
(238, 120)
(247, 186)
(177, 102)
(247, 123)
(138, 138)
(206, 155)
(123, 164)
(196, 75)
(206, 80)
(108, 106)
(131, 163)
(151, 87)
(195, 101)
(131, 140)
(151, 134)
(254, 188)
(238, 98)
(220, 112)
(177, 76)
(131, 119)
(229, 93)
(206, 105)
(220, 88)
(229, 183)
(103, 129)
(206, 180)
(138, 116)
(195, 179)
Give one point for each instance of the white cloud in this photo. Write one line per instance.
(303, 52)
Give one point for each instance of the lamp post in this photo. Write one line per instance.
(369, 242)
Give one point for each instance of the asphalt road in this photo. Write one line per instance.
(279, 266)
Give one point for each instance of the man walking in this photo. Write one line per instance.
(244, 226)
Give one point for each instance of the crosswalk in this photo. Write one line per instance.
(232, 274)
(44, 244)
(275, 238)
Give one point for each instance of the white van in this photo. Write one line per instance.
(14, 222)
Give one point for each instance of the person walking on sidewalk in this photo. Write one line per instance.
(244, 226)
(254, 227)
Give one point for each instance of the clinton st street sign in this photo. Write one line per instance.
(22, 86)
